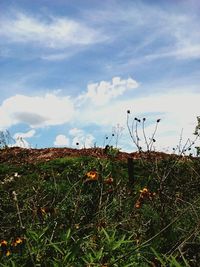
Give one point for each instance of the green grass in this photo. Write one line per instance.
(64, 218)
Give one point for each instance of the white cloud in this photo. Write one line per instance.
(176, 110)
(84, 140)
(51, 32)
(28, 134)
(57, 56)
(61, 140)
(21, 142)
(76, 132)
(20, 139)
(158, 32)
(101, 93)
(37, 111)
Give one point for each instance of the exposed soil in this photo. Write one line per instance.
(18, 155)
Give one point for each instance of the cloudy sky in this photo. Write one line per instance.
(70, 70)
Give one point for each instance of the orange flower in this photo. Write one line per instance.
(144, 194)
(92, 176)
(138, 204)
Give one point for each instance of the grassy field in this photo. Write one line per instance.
(102, 212)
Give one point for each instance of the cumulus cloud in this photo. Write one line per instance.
(80, 137)
(172, 104)
(29, 118)
(61, 140)
(101, 93)
(52, 32)
(177, 111)
(36, 111)
(20, 139)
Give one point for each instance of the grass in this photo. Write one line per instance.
(89, 211)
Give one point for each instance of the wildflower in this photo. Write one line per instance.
(3, 243)
(144, 119)
(158, 120)
(16, 175)
(8, 253)
(77, 226)
(92, 176)
(18, 241)
(144, 193)
(43, 211)
(108, 180)
(138, 204)
(144, 190)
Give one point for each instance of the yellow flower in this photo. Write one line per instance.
(3, 243)
(18, 240)
(92, 176)
(144, 193)
(8, 253)
(144, 190)
(43, 210)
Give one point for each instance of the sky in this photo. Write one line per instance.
(70, 70)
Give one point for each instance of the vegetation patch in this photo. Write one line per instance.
(95, 211)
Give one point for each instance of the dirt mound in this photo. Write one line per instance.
(17, 155)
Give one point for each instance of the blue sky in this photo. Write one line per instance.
(71, 69)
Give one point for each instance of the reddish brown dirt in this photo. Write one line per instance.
(18, 155)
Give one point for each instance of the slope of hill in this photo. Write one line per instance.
(98, 207)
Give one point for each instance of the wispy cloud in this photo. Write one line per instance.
(28, 134)
(151, 32)
(52, 32)
(45, 36)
